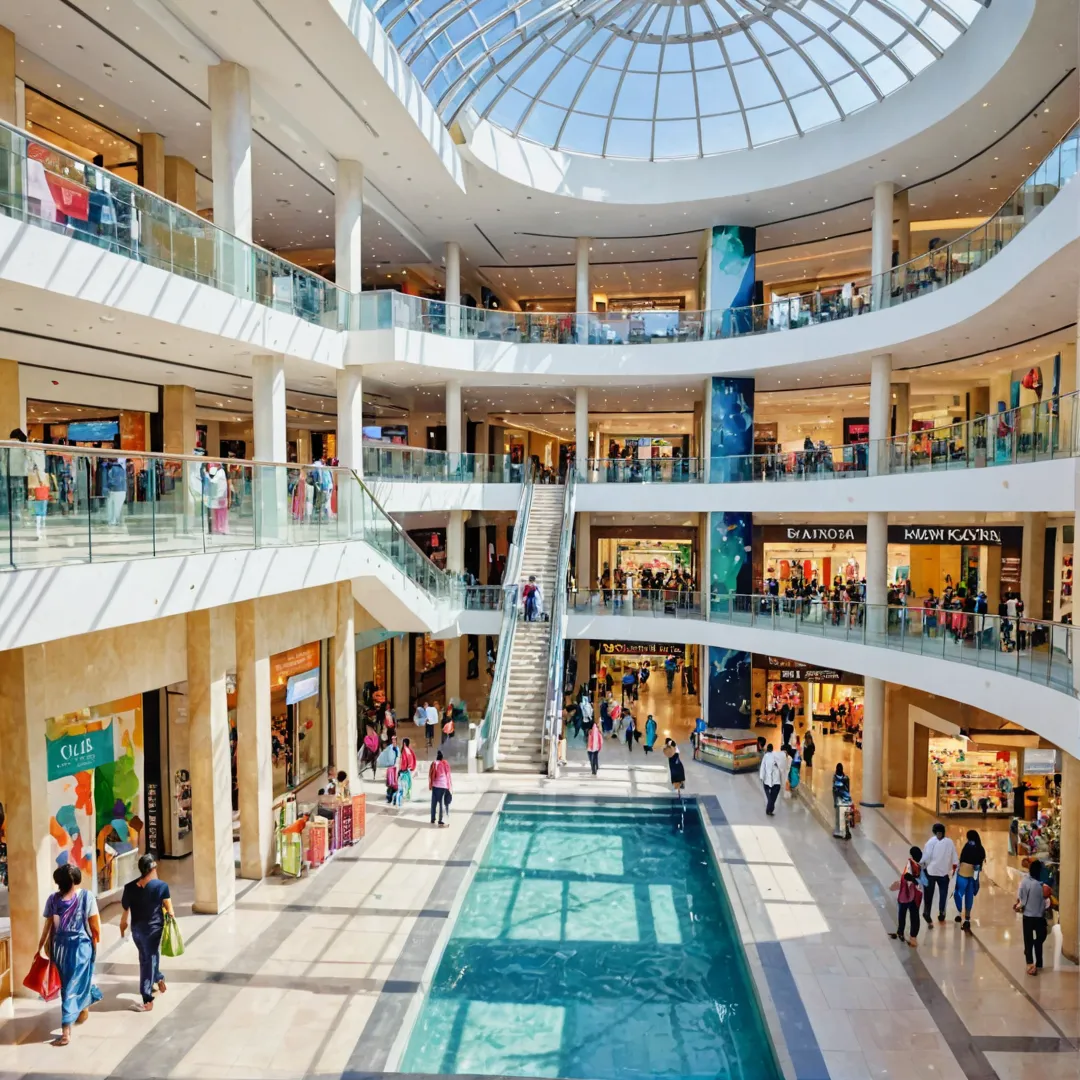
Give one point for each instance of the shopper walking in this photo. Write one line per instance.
(1031, 903)
(431, 718)
(594, 740)
(908, 898)
(70, 936)
(675, 765)
(406, 769)
(772, 778)
(939, 860)
(442, 787)
(630, 732)
(808, 750)
(146, 902)
(968, 868)
(650, 734)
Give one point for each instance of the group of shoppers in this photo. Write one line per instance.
(623, 587)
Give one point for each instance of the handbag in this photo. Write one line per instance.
(43, 978)
(172, 944)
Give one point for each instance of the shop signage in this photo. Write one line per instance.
(153, 819)
(793, 671)
(292, 662)
(815, 534)
(641, 648)
(1040, 762)
(72, 754)
(301, 687)
(990, 535)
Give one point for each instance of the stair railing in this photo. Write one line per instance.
(553, 702)
(488, 744)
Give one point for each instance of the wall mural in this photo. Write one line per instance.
(729, 688)
(731, 277)
(95, 763)
(730, 567)
(731, 440)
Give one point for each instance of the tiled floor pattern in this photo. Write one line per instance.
(316, 977)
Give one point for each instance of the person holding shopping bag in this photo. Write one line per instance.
(71, 934)
(147, 904)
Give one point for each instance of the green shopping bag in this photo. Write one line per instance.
(172, 944)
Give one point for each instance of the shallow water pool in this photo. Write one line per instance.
(594, 942)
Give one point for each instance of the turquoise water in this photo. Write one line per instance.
(594, 943)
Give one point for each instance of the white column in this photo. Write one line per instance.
(350, 447)
(268, 409)
(453, 287)
(401, 690)
(452, 653)
(230, 146)
(345, 684)
(880, 412)
(254, 752)
(877, 571)
(873, 741)
(581, 432)
(1032, 564)
(582, 297)
(455, 542)
(348, 218)
(454, 445)
(208, 633)
(881, 241)
(902, 214)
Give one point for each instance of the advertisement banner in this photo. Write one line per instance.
(730, 688)
(731, 440)
(641, 648)
(730, 565)
(71, 754)
(732, 258)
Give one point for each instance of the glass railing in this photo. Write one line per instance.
(557, 644)
(419, 465)
(917, 277)
(62, 505)
(679, 470)
(483, 597)
(44, 185)
(488, 743)
(1033, 649)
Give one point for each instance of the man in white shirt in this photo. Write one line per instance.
(432, 712)
(939, 860)
(771, 774)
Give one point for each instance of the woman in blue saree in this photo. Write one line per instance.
(71, 934)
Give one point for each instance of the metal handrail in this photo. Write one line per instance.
(488, 743)
(557, 641)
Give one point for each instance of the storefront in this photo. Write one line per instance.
(963, 779)
(616, 658)
(374, 672)
(298, 711)
(647, 447)
(976, 557)
(1035, 830)
(830, 699)
(95, 792)
(427, 674)
(660, 549)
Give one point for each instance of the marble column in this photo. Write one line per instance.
(350, 448)
(881, 234)
(454, 442)
(453, 287)
(880, 413)
(902, 216)
(402, 691)
(348, 218)
(254, 762)
(230, 147)
(583, 573)
(11, 402)
(268, 421)
(178, 419)
(208, 634)
(24, 775)
(581, 432)
(452, 653)
(1032, 560)
(877, 571)
(9, 108)
(582, 297)
(873, 742)
(1069, 870)
(345, 684)
(153, 162)
(180, 182)
(455, 542)
(901, 399)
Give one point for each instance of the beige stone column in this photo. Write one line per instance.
(254, 765)
(178, 419)
(901, 398)
(179, 182)
(401, 702)
(1069, 870)
(452, 652)
(897, 741)
(24, 792)
(11, 407)
(9, 110)
(1032, 564)
(345, 684)
(153, 162)
(211, 769)
(583, 572)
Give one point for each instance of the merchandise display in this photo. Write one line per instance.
(972, 781)
(731, 755)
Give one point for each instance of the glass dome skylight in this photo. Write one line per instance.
(667, 78)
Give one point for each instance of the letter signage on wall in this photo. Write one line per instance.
(815, 534)
(990, 535)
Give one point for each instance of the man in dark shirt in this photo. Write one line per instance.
(146, 902)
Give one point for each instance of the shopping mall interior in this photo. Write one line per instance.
(537, 541)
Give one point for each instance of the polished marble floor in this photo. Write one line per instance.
(321, 977)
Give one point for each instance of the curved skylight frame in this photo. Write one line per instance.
(667, 79)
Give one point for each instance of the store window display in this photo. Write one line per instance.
(965, 780)
(297, 710)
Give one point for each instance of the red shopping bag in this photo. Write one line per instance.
(43, 978)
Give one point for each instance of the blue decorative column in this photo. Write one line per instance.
(729, 284)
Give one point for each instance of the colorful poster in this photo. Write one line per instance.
(730, 567)
(732, 436)
(729, 688)
(95, 763)
(731, 278)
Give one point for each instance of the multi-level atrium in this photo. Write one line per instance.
(638, 438)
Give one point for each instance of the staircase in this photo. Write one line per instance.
(522, 723)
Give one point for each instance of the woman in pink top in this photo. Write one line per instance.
(593, 741)
(441, 788)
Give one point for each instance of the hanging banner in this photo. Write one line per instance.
(72, 754)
